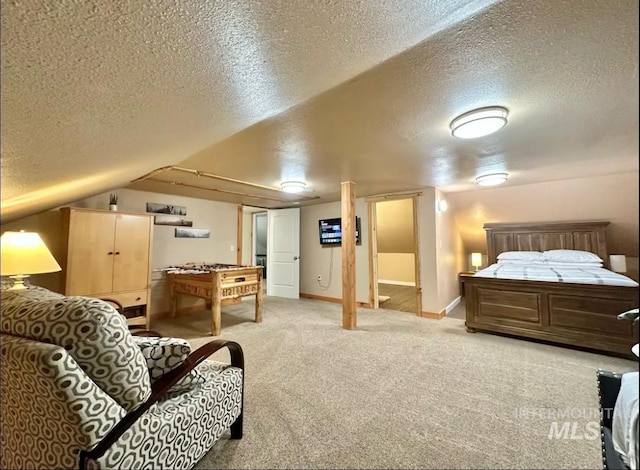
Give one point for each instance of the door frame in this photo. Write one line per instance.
(373, 246)
(240, 233)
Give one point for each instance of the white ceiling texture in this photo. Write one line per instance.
(229, 98)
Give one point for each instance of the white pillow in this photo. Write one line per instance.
(586, 264)
(522, 262)
(521, 255)
(571, 256)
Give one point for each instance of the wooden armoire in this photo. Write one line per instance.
(108, 255)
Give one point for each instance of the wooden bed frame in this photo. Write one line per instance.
(219, 283)
(582, 315)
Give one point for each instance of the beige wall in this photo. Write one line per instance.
(219, 217)
(326, 261)
(396, 268)
(441, 253)
(427, 252)
(612, 197)
(395, 226)
(439, 283)
(450, 256)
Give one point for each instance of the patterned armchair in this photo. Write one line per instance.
(79, 391)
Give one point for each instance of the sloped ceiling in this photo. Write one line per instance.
(97, 96)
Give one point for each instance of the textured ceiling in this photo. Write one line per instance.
(95, 96)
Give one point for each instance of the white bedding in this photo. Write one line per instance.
(535, 272)
(624, 427)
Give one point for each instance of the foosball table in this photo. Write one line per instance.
(217, 284)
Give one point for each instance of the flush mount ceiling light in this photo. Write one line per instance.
(293, 186)
(479, 122)
(492, 179)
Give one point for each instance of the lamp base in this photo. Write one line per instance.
(19, 282)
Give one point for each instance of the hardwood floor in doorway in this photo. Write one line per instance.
(401, 298)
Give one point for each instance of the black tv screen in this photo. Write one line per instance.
(331, 231)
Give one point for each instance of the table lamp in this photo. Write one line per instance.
(476, 260)
(618, 263)
(23, 254)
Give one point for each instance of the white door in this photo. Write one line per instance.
(283, 253)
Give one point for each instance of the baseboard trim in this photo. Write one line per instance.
(192, 309)
(397, 283)
(332, 299)
(452, 305)
(435, 316)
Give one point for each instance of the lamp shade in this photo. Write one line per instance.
(476, 259)
(25, 253)
(618, 263)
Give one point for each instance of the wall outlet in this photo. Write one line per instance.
(231, 248)
(319, 278)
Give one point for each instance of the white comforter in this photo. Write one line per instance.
(556, 274)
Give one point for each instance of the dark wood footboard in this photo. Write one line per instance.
(582, 315)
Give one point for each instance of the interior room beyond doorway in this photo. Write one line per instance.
(395, 236)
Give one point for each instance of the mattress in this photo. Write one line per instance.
(556, 274)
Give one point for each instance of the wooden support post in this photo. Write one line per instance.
(348, 198)
(239, 246)
(259, 298)
(173, 298)
(216, 293)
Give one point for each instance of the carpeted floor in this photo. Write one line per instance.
(399, 392)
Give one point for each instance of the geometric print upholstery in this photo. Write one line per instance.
(93, 333)
(177, 432)
(50, 409)
(163, 354)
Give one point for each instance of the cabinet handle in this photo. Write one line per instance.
(110, 253)
(117, 252)
(138, 298)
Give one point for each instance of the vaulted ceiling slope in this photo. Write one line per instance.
(95, 96)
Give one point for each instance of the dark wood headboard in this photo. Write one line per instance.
(585, 236)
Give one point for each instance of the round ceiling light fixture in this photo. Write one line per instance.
(479, 122)
(293, 186)
(492, 179)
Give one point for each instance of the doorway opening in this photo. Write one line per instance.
(253, 245)
(394, 255)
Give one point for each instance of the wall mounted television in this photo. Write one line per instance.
(330, 231)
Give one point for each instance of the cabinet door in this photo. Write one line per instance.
(91, 248)
(131, 261)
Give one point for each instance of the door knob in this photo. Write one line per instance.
(296, 258)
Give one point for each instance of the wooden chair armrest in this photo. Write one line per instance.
(118, 306)
(160, 387)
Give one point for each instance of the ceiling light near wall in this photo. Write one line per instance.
(492, 179)
(479, 122)
(293, 186)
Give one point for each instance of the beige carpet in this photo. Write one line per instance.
(398, 392)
